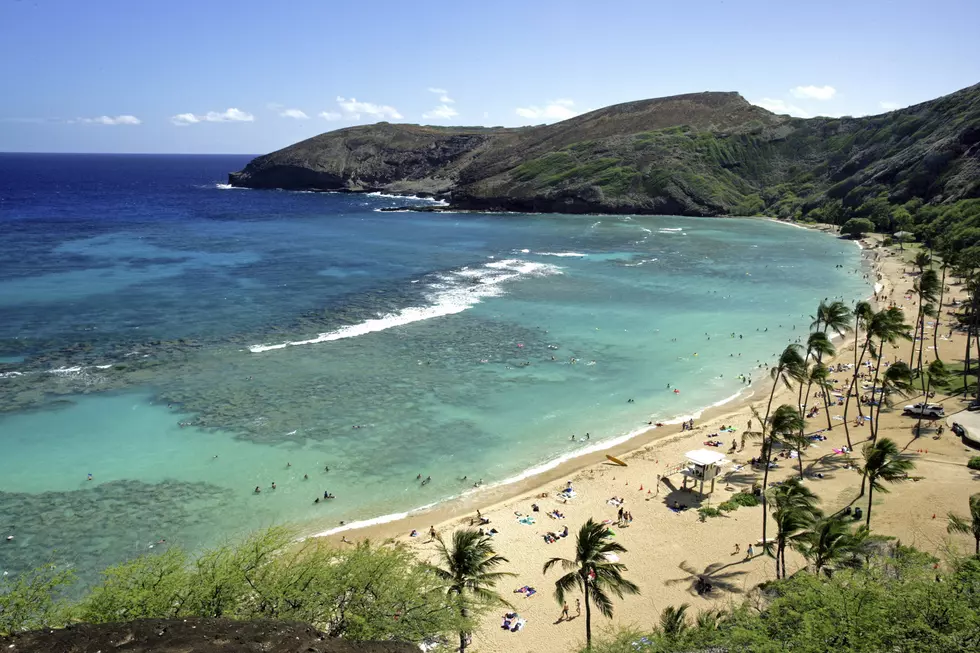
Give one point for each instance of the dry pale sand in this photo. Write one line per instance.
(661, 544)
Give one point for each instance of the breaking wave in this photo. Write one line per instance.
(452, 292)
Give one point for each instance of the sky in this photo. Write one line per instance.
(254, 76)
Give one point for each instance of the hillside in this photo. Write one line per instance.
(694, 154)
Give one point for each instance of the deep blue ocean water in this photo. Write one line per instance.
(184, 343)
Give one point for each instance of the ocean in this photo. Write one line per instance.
(185, 343)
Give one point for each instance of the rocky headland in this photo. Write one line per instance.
(696, 154)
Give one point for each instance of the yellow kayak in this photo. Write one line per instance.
(616, 460)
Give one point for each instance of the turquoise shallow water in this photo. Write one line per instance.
(148, 344)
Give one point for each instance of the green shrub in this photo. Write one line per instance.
(727, 506)
(708, 511)
(974, 463)
(744, 499)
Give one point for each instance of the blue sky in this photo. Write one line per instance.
(250, 76)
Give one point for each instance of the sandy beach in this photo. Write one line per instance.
(665, 549)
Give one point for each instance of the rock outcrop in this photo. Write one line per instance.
(694, 154)
(191, 636)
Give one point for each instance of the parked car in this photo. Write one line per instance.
(973, 405)
(957, 429)
(929, 411)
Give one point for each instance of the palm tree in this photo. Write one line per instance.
(897, 380)
(673, 621)
(883, 462)
(948, 254)
(830, 544)
(937, 374)
(783, 424)
(862, 316)
(468, 571)
(593, 573)
(835, 317)
(794, 508)
(927, 289)
(958, 524)
(818, 345)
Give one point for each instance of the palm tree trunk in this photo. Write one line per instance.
(462, 642)
(850, 389)
(915, 330)
(935, 332)
(588, 615)
(799, 457)
(826, 407)
(765, 459)
(969, 335)
(871, 492)
(925, 399)
(881, 400)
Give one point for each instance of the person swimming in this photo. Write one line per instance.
(257, 489)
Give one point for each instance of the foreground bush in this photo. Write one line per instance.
(895, 603)
(363, 592)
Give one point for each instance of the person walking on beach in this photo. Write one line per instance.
(578, 607)
(564, 612)
(749, 552)
(738, 549)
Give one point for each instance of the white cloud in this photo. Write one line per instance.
(109, 120)
(889, 106)
(443, 95)
(330, 115)
(354, 110)
(814, 92)
(554, 110)
(298, 114)
(229, 115)
(781, 106)
(441, 112)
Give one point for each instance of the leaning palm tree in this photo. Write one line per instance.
(716, 576)
(883, 462)
(673, 621)
(862, 317)
(794, 508)
(818, 346)
(897, 380)
(782, 425)
(970, 526)
(468, 572)
(836, 317)
(593, 573)
(830, 544)
(927, 289)
(937, 374)
(948, 254)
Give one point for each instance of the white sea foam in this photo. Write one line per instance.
(10, 375)
(408, 197)
(640, 262)
(65, 370)
(454, 292)
(669, 229)
(383, 519)
(560, 254)
(229, 187)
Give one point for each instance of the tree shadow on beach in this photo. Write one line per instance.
(712, 579)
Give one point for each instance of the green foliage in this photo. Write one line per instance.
(352, 593)
(857, 227)
(744, 499)
(707, 511)
(892, 604)
(30, 602)
(739, 499)
(974, 463)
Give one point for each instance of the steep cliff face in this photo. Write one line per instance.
(695, 154)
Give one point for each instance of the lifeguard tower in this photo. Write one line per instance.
(702, 465)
